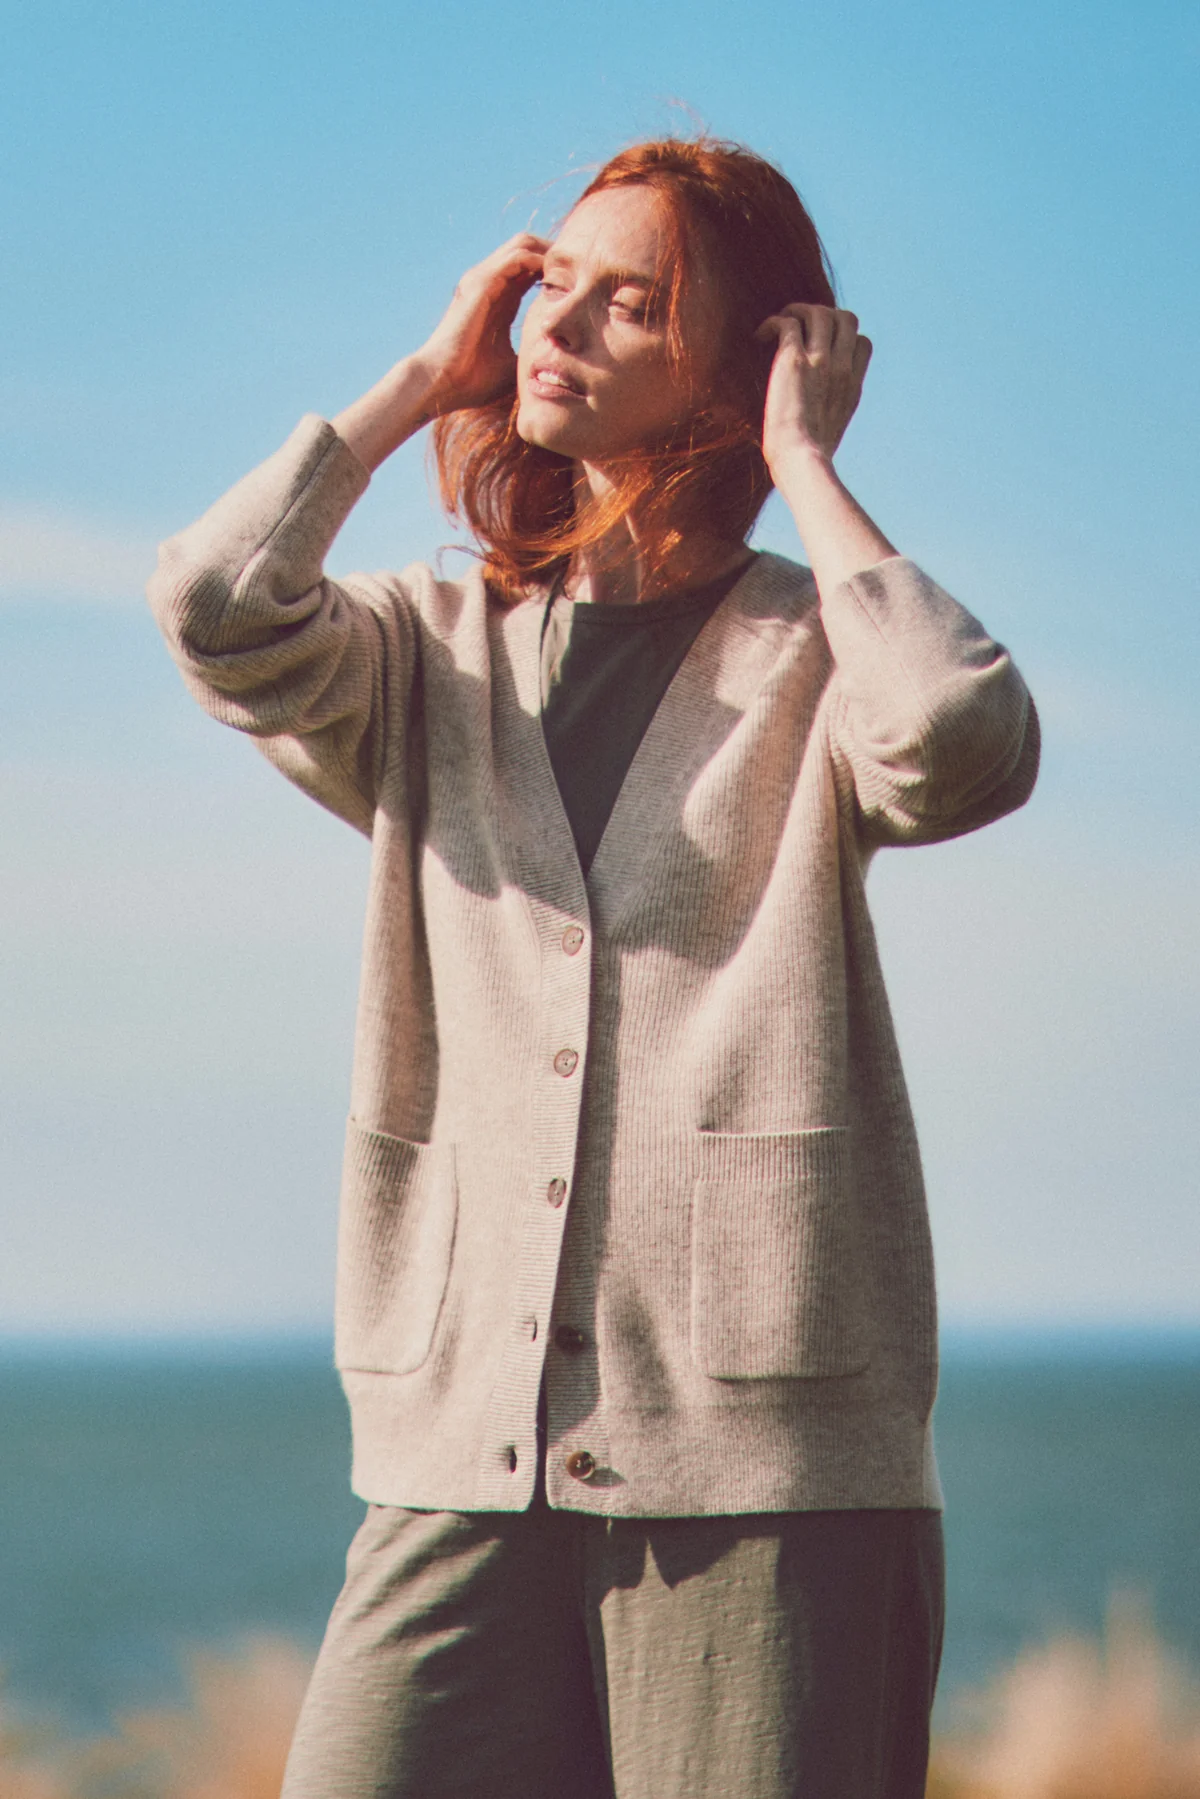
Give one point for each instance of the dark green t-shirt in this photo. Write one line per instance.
(604, 670)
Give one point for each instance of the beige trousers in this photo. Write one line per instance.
(545, 1655)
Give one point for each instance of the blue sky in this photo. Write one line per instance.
(217, 218)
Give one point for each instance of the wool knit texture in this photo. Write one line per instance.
(742, 1245)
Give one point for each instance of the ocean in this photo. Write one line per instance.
(153, 1500)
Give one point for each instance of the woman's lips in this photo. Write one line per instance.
(549, 384)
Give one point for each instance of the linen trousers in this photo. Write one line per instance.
(551, 1655)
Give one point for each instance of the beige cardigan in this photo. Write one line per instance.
(663, 1107)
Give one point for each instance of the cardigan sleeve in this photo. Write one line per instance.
(320, 672)
(931, 722)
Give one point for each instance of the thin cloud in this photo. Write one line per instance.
(48, 554)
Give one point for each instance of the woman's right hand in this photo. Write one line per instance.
(470, 358)
(467, 361)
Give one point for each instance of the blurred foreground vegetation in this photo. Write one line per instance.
(1072, 1720)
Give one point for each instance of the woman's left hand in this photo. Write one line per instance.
(815, 383)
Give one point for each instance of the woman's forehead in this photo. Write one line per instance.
(620, 228)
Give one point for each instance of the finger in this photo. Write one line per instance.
(520, 252)
(508, 280)
(819, 330)
(781, 328)
(523, 263)
(795, 317)
(863, 350)
(518, 259)
(524, 240)
(505, 302)
(845, 336)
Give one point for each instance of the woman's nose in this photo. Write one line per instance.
(565, 323)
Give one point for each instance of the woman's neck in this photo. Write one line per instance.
(617, 571)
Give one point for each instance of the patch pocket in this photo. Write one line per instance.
(396, 1227)
(776, 1265)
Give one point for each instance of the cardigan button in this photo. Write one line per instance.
(569, 1340)
(566, 1062)
(556, 1192)
(572, 939)
(580, 1464)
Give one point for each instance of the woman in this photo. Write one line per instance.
(635, 1301)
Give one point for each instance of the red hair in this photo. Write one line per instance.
(735, 215)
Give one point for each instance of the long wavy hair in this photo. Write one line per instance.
(732, 216)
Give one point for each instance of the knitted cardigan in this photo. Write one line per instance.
(646, 1134)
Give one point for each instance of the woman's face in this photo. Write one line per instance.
(593, 377)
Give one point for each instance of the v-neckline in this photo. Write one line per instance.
(706, 699)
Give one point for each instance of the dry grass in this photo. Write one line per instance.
(1074, 1720)
(229, 1742)
(31, 1766)
(1077, 1720)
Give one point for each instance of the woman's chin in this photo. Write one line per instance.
(543, 426)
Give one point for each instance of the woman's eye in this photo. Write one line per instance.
(630, 309)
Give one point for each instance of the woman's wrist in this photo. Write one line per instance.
(800, 465)
(388, 413)
(839, 538)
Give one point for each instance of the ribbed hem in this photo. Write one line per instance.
(761, 1457)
